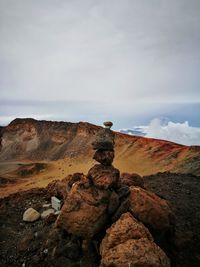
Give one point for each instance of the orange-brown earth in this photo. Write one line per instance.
(33, 153)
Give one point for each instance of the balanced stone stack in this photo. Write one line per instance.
(104, 175)
(100, 197)
(104, 145)
(89, 203)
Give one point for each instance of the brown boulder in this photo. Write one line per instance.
(75, 178)
(135, 252)
(84, 212)
(104, 177)
(105, 157)
(131, 179)
(129, 243)
(127, 227)
(149, 208)
(57, 188)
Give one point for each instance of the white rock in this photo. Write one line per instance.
(46, 213)
(57, 212)
(45, 251)
(55, 203)
(31, 215)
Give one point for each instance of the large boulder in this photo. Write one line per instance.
(127, 227)
(129, 243)
(135, 252)
(104, 157)
(104, 177)
(149, 209)
(84, 212)
(131, 179)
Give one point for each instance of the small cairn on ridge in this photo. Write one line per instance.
(104, 145)
(104, 175)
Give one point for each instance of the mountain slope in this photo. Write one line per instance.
(29, 139)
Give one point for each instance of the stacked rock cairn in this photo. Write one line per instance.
(104, 145)
(101, 200)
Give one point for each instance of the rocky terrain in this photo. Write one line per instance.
(28, 139)
(107, 218)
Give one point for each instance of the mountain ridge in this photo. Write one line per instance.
(30, 139)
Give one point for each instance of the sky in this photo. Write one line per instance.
(128, 61)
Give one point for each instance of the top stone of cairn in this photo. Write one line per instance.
(108, 124)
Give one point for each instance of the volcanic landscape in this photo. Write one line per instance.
(138, 207)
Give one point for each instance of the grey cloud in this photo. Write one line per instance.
(115, 56)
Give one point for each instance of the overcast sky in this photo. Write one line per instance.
(124, 60)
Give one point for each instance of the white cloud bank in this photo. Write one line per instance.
(181, 133)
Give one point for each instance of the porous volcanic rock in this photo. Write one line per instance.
(150, 209)
(104, 177)
(131, 179)
(136, 252)
(104, 140)
(127, 227)
(84, 212)
(104, 157)
(129, 243)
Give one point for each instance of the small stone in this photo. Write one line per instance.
(57, 212)
(105, 157)
(55, 203)
(45, 251)
(48, 205)
(108, 124)
(31, 215)
(46, 213)
(36, 234)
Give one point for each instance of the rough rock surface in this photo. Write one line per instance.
(182, 191)
(104, 177)
(135, 252)
(104, 140)
(71, 179)
(131, 179)
(127, 227)
(129, 243)
(31, 215)
(84, 212)
(104, 157)
(58, 189)
(150, 209)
